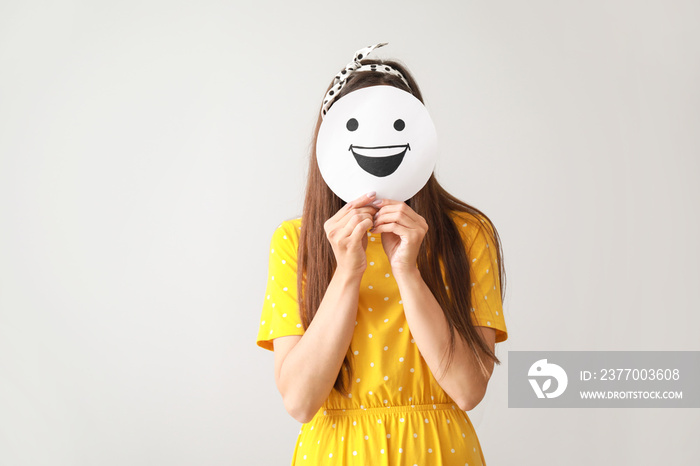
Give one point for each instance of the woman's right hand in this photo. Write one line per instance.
(347, 233)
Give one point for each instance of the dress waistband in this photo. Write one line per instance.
(385, 409)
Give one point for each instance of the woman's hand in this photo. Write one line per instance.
(402, 232)
(347, 233)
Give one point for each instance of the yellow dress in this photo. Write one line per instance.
(396, 413)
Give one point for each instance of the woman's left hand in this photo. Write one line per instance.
(402, 232)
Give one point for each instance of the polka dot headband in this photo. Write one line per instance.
(352, 67)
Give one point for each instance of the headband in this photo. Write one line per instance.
(352, 67)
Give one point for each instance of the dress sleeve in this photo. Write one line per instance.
(280, 312)
(487, 305)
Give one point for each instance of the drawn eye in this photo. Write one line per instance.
(352, 124)
(399, 125)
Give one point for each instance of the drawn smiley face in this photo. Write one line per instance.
(378, 138)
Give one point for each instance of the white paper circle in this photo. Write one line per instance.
(377, 138)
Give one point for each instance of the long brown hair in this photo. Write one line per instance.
(442, 246)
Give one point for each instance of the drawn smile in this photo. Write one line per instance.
(383, 161)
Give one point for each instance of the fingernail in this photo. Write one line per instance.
(371, 194)
(377, 202)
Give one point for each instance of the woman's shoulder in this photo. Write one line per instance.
(466, 217)
(291, 224)
(288, 230)
(470, 224)
(473, 220)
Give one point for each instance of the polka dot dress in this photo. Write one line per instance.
(396, 412)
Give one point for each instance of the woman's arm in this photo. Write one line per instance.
(307, 366)
(403, 231)
(306, 370)
(463, 380)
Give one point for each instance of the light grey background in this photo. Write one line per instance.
(149, 148)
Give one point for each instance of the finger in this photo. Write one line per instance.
(342, 212)
(332, 224)
(368, 209)
(395, 228)
(363, 200)
(389, 205)
(353, 222)
(359, 203)
(402, 217)
(395, 217)
(387, 202)
(360, 230)
(347, 210)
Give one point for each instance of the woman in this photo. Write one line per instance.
(389, 289)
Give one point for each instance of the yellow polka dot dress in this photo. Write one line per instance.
(396, 413)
